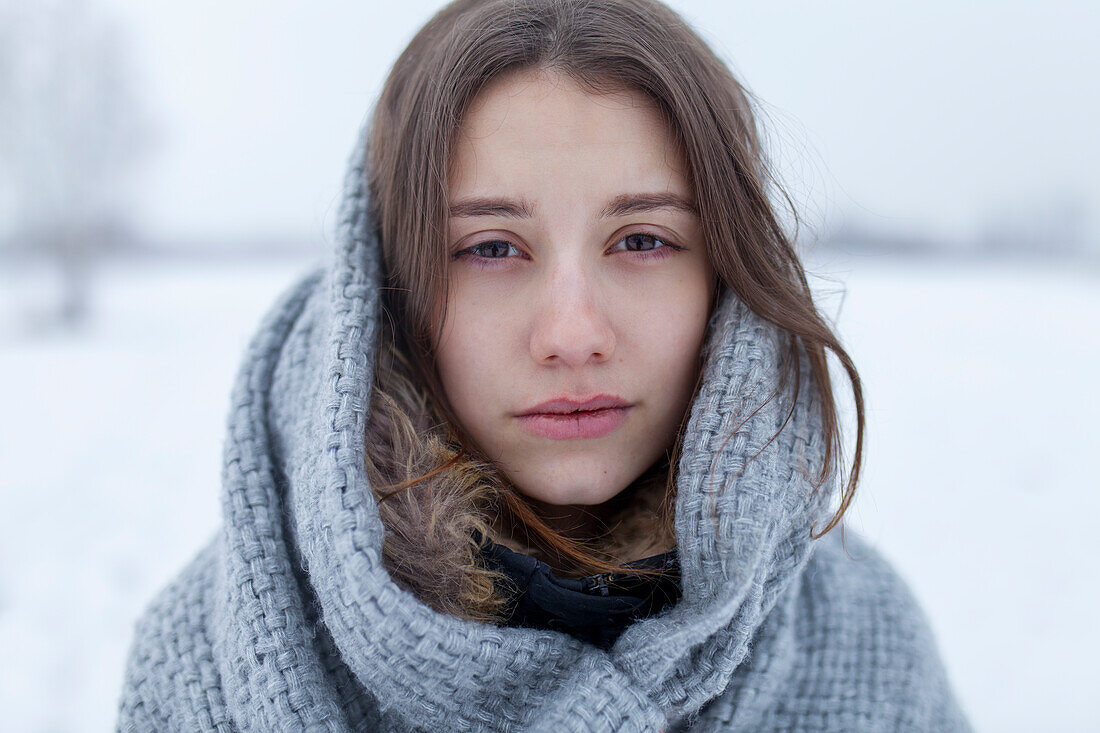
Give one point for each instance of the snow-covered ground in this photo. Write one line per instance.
(981, 482)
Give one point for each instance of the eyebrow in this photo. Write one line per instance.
(622, 205)
(638, 203)
(505, 208)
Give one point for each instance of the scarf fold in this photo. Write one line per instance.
(290, 621)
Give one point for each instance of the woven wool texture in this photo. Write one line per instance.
(289, 621)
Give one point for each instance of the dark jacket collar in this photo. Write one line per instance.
(595, 609)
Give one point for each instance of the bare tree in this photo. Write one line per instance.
(71, 130)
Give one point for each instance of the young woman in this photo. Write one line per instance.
(552, 444)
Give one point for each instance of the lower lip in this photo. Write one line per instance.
(574, 425)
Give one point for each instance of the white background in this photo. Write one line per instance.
(981, 482)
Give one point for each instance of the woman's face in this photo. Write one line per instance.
(579, 286)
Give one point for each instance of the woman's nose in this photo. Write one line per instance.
(571, 325)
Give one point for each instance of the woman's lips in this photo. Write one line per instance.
(558, 423)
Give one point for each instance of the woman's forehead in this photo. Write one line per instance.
(543, 133)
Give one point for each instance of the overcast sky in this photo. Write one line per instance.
(936, 116)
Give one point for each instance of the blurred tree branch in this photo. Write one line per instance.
(72, 129)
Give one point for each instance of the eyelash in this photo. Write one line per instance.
(666, 250)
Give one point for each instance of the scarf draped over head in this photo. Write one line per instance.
(288, 620)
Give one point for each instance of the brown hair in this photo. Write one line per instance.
(605, 46)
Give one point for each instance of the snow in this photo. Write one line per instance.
(980, 481)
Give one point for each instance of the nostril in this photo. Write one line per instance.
(573, 339)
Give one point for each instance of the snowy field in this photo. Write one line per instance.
(981, 483)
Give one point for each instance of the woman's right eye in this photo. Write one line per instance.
(493, 249)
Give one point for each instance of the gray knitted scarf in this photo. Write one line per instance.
(289, 621)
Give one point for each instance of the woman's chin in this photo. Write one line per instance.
(590, 487)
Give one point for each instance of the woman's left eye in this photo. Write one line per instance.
(643, 243)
